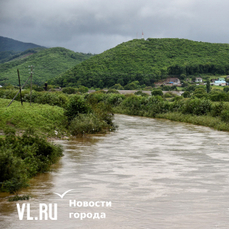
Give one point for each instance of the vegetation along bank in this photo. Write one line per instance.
(24, 148)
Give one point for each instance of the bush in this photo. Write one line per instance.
(69, 90)
(218, 95)
(217, 108)
(191, 88)
(140, 93)
(114, 91)
(86, 124)
(186, 94)
(200, 93)
(24, 157)
(82, 89)
(169, 95)
(77, 105)
(115, 99)
(197, 106)
(225, 115)
(117, 87)
(157, 92)
(226, 89)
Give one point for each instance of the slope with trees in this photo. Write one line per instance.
(148, 61)
(48, 63)
(10, 48)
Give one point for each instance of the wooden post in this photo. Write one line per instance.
(31, 84)
(19, 86)
(18, 92)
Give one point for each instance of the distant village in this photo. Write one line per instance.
(198, 81)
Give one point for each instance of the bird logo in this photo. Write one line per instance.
(62, 196)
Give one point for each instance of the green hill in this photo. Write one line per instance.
(148, 61)
(48, 63)
(10, 48)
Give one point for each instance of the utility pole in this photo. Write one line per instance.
(19, 86)
(20, 90)
(31, 78)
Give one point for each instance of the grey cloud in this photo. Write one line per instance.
(96, 25)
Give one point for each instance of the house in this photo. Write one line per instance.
(213, 80)
(220, 82)
(173, 81)
(198, 80)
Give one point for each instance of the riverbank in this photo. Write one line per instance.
(153, 171)
(44, 119)
(25, 149)
(194, 110)
(206, 120)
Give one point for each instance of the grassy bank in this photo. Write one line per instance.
(22, 157)
(206, 120)
(28, 153)
(42, 118)
(194, 110)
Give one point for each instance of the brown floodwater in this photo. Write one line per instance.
(154, 173)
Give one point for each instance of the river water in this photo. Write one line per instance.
(154, 173)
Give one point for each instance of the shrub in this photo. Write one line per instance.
(24, 157)
(217, 108)
(186, 94)
(115, 99)
(69, 90)
(200, 93)
(82, 89)
(117, 87)
(226, 89)
(77, 105)
(86, 124)
(218, 95)
(112, 91)
(197, 106)
(140, 93)
(169, 95)
(157, 92)
(51, 98)
(225, 115)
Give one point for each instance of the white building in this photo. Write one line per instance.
(199, 80)
(220, 83)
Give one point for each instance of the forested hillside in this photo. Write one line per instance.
(48, 63)
(148, 61)
(10, 48)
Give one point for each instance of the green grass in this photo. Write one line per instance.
(44, 119)
(217, 87)
(204, 120)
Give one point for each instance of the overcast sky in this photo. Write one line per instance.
(93, 26)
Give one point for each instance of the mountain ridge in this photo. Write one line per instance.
(9, 44)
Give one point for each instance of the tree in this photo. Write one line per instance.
(157, 92)
(208, 86)
(226, 89)
(200, 93)
(186, 94)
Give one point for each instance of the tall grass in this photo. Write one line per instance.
(203, 120)
(42, 118)
(22, 157)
